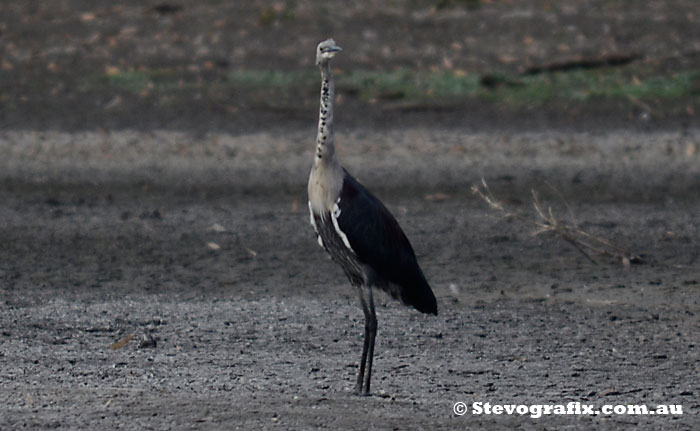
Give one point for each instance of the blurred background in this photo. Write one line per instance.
(243, 66)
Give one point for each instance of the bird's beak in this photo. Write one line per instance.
(333, 49)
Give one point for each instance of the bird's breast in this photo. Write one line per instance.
(324, 187)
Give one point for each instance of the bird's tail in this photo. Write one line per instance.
(417, 293)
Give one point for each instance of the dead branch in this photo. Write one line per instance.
(586, 243)
(584, 63)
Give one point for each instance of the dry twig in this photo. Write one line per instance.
(121, 343)
(588, 244)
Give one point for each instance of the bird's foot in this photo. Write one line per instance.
(361, 393)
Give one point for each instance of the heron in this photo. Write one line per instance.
(357, 230)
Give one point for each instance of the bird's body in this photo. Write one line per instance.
(363, 237)
(357, 230)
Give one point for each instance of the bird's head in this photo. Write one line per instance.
(326, 50)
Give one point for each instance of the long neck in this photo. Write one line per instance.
(325, 150)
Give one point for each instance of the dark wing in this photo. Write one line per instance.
(378, 241)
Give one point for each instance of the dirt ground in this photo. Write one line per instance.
(206, 249)
(183, 233)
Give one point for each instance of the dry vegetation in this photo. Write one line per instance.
(546, 223)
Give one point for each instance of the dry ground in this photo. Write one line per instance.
(108, 234)
(179, 215)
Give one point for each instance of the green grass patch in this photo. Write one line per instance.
(575, 86)
(512, 89)
(435, 86)
(584, 85)
(129, 80)
(404, 83)
(270, 78)
(138, 81)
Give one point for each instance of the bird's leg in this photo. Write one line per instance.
(371, 326)
(365, 347)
